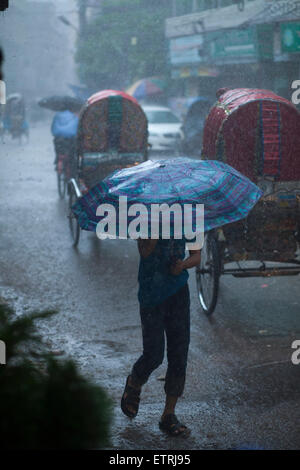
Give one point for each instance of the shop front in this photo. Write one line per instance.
(256, 48)
(232, 58)
(243, 56)
(286, 57)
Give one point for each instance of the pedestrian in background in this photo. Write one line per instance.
(64, 130)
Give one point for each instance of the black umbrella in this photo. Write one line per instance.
(61, 103)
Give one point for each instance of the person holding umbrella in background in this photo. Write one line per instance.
(64, 124)
(64, 130)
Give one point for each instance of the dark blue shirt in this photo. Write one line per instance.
(156, 283)
(64, 124)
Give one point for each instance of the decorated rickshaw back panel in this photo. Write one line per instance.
(258, 133)
(92, 131)
(112, 135)
(134, 129)
(113, 123)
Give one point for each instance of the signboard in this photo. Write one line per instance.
(251, 44)
(265, 41)
(232, 43)
(227, 46)
(202, 71)
(290, 37)
(184, 50)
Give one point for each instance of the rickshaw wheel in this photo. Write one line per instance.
(208, 274)
(61, 184)
(73, 222)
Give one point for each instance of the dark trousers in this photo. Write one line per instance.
(64, 146)
(170, 318)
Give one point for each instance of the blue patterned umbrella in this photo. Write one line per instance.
(227, 195)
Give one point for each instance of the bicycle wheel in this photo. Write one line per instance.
(73, 222)
(208, 274)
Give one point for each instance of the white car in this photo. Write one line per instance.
(163, 127)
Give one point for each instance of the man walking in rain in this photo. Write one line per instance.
(165, 310)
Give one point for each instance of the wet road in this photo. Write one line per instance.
(241, 388)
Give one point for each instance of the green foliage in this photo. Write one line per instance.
(122, 46)
(45, 403)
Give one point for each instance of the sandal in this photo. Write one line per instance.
(173, 427)
(132, 399)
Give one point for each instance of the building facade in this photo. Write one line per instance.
(221, 43)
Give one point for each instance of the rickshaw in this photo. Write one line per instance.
(63, 129)
(14, 119)
(193, 124)
(258, 133)
(112, 134)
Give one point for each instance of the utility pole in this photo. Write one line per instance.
(174, 8)
(82, 4)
